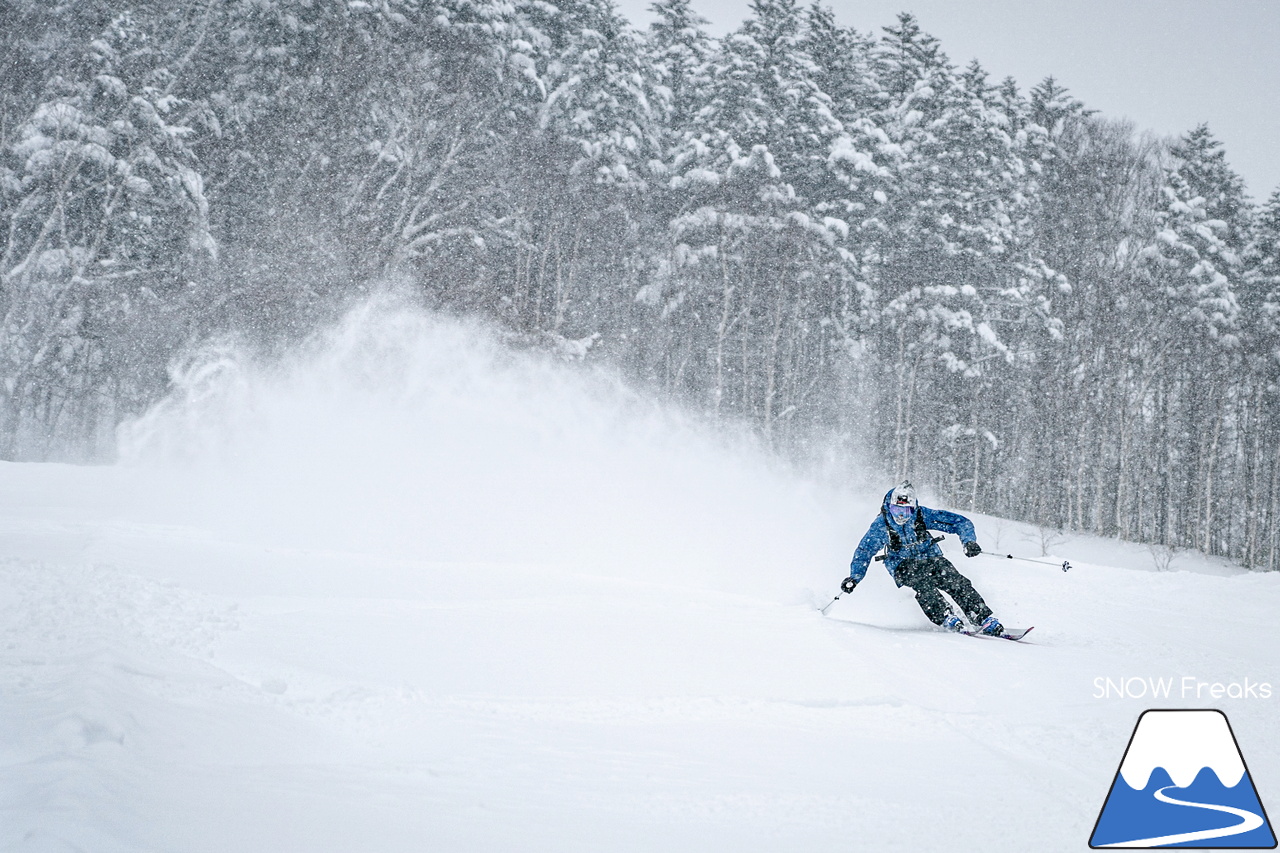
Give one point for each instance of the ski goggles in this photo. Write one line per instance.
(901, 513)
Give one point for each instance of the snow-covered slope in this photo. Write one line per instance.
(408, 593)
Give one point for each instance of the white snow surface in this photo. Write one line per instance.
(404, 591)
(1183, 743)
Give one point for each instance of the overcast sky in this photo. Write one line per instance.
(1166, 64)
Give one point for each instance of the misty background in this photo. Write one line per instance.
(866, 256)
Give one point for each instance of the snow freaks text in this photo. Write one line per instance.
(1172, 687)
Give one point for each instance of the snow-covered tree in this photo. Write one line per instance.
(955, 269)
(1261, 289)
(1259, 390)
(105, 212)
(596, 98)
(842, 64)
(1195, 266)
(1202, 230)
(427, 152)
(745, 247)
(679, 56)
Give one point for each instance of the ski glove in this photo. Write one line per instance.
(972, 549)
(848, 584)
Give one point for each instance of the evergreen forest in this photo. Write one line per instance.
(839, 240)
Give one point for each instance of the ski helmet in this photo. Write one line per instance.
(904, 494)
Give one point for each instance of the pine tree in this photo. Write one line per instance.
(754, 178)
(1261, 292)
(956, 268)
(843, 71)
(842, 63)
(1194, 265)
(105, 213)
(1053, 106)
(596, 100)
(1259, 410)
(905, 56)
(581, 175)
(1202, 227)
(768, 94)
(679, 55)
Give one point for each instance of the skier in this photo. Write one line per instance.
(914, 560)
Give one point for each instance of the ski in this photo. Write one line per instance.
(1008, 634)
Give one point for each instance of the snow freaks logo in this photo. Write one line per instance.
(1183, 782)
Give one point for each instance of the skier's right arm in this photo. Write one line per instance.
(872, 541)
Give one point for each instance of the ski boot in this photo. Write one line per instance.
(952, 623)
(991, 625)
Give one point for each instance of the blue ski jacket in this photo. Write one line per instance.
(914, 547)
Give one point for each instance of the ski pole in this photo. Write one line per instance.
(1065, 565)
(823, 611)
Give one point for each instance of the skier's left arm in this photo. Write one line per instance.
(953, 522)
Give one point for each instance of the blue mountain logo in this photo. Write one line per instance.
(1183, 783)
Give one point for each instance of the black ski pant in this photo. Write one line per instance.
(932, 576)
